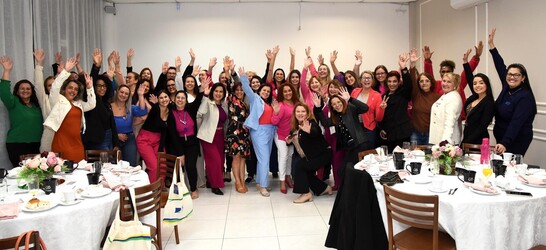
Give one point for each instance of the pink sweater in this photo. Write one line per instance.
(282, 120)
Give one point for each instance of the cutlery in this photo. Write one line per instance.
(454, 190)
(450, 190)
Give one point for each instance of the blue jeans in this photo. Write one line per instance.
(129, 149)
(106, 144)
(421, 138)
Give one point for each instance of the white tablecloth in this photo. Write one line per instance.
(79, 226)
(483, 222)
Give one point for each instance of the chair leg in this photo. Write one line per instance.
(176, 234)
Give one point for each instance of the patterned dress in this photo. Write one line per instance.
(237, 139)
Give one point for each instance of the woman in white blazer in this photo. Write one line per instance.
(211, 119)
(66, 120)
(445, 115)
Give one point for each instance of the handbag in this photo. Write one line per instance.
(28, 236)
(128, 234)
(179, 204)
(390, 178)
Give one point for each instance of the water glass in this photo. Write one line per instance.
(104, 157)
(3, 188)
(413, 145)
(406, 145)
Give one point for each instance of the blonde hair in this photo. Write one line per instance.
(456, 78)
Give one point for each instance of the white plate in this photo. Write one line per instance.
(533, 185)
(420, 179)
(437, 191)
(484, 193)
(70, 203)
(94, 192)
(52, 203)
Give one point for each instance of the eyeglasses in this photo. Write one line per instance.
(170, 85)
(101, 86)
(446, 71)
(516, 75)
(366, 78)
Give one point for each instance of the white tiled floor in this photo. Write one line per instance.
(250, 221)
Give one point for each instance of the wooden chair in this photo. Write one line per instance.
(166, 165)
(94, 155)
(421, 213)
(361, 154)
(9, 243)
(147, 199)
(471, 148)
(29, 156)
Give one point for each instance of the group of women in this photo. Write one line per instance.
(312, 124)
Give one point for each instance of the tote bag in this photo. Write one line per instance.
(128, 234)
(179, 205)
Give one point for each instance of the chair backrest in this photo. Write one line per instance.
(94, 155)
(29, 156)
(9, 243)
(419, 211)
(361, 154)
(166, 165)
(147, 200)
(469, 148)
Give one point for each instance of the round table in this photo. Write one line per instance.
(80, 226)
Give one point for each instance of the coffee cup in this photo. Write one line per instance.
(399, 165)
(468, 175)
(521, 169)
(3, 173)
(498, 168)
(49, 185)
(398, 156)
(68, 196)
(93, 178)
(414, 168)
(518, 158)
(507, 157)
(437, 183)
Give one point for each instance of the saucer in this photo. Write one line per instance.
(74, 202)
(443, 190)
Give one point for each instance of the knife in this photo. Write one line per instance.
(518, 193)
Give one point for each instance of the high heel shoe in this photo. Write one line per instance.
(289, 182)
(239, 187)
(227, 176)
(283, 187)
(194, 195)
(328, 191)
(217, 191)
(304, 198)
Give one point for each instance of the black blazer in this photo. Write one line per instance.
(479, 118)
(396, 120)
(172, 139)
(313, 144)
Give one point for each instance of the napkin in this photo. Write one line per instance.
(126, 170)
(14, 172)
(9, 210)
(369, 159)
(84, 165)
(481, 186)
(406, 152)
(112, 182)
(534, 180)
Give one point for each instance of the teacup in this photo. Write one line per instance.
(507, 157)
(521, 168)
(414, 168)
(93, 178)
(49, 185)
(437, 183)
(468, 175)
(399, 165)
(68, 195)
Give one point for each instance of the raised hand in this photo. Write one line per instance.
(130, 53)
(196, 70)
(226, 63)
(178, 63)
(88, 81)
(39, 55)
(152, 99)
(292, 52)
(192, 54)
(276, 107)
(308, 51)
(110, 72)
(212, 62)
(70, 63)
(78, 57)
(205, 86)
(491, 38)
(427, 54)
(316, 99)
(414, 57)
(141, 90)
(479, 50)
(358, 57)
(344, 93)
(320, 59)
(465, 55)
(269, 55)
(165, 67)
(305, 126)
(231, 65)
(58, 58)
(276, 50)
(402, 60)
(97, 57)
(116, 59)
(308, 61)
(333, 56)
(241, 71)
(7, 64)
(384, 101)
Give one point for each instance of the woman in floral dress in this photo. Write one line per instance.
(237, 142)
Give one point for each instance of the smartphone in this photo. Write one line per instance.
(518, 193)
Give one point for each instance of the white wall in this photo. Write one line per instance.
(244, 31)
(520, 38)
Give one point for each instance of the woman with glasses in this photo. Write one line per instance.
(515, 108)
(380, 74)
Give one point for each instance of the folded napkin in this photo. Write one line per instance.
(482, 186)
(112, 182)
(14, 172)
(126, 170)
(533, 180)
(84, 165)
(9, 210)
(406, 152)
(370, 159)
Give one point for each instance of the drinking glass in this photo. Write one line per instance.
(3, 188)
(406, 145)
(413, 145)
(487, 171)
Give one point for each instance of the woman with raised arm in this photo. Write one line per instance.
(314, 151)
(211, 119)
(25, 116)
(42, 86)
(349, 78)
(380, 73)
(138, 121)
(445, 114)
(261, 129)
(423, 95)
(395, 127)
(124, 112)
(479, 107)
(66, 122)
(515, 108)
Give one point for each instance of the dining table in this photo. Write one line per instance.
(476, 219)
(75, 225)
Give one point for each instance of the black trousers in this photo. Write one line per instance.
(17, 149)
(191, 151)
(305, 177)
(251, 162)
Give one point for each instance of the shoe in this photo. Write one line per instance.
(264, 192)
(335, 188)
(245, 188)
(194, 195)
(217, 191)
(328, 191)
(275, 175)
(283, 187)
(304, 198)
(207, 184)
(227, 176)
(289, 182)
(249, 179)
(239, 188)
(258, 187)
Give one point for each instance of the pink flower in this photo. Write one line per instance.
(51, 154)
(57, 168)
(52, 160)
(436, 154)
(459, 152)
(33, 163)
(43, 167)
(452, 153)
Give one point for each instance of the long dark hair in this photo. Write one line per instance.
(335, 118)
(146, 95)
(33, 96)
(81, 88)
(525, 84)
(270, 98)
(214, 87)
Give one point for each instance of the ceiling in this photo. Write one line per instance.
(256, 1)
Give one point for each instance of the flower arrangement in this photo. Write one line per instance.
(41, 166)
(446, 155)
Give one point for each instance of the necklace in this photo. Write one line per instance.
(184, 122)
(512, 93)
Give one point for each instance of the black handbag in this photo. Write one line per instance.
(390, 178)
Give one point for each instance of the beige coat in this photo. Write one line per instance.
(445, 119)
(207, 119)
